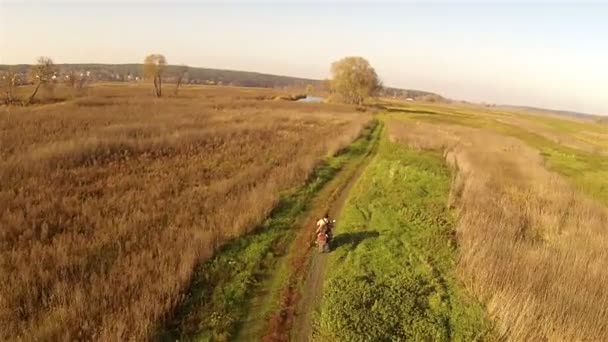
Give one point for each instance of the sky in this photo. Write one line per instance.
(545, 54)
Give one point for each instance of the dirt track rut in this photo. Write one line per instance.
(313, 286)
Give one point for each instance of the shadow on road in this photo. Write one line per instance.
(351, 240)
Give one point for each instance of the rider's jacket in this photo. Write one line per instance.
(322, 225)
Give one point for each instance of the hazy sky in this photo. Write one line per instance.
(545, 54)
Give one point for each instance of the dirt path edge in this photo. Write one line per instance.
(312, 282)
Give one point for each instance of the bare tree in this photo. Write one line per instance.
(182, 71)
(76, 80)
(154, 66)
(41, 74)
(71, 78)
(82, 80)
(9, 82)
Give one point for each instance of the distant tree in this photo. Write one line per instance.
(81, 80)
(9, 82)
(309, 89)
(76, 80)
(182, 71)
(154, 66)
(70, 78)
(41, 74)
(354, 79)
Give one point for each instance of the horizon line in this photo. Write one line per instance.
(481, 103)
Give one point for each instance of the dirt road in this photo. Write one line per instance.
(302, 329)
(313, 286)
(297, 280)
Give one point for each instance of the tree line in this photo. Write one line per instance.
(352, 79)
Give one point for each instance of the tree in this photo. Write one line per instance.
(182, 71)
(71, 78)
(154, 66)
(76, 80)
(309, 89)
(41, 74)
(354, 79)
(9, 82)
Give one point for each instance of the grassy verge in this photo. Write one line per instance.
(219, 295)
(588, 171)
(391, 274)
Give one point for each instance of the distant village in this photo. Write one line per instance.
(109, 76)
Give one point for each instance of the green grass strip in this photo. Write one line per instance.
(391, 276)
(588, 171)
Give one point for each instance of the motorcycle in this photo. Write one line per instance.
(324, 240)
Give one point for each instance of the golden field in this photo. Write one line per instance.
(109, 201)
(532, 239)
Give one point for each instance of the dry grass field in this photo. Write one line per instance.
(109, 201)
(532, 246)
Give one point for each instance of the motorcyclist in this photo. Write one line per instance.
(325, 225)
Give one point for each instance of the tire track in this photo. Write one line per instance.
(302, 328)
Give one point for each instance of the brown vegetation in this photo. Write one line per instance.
(533, 248)
(9, 83)
(107, 203)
